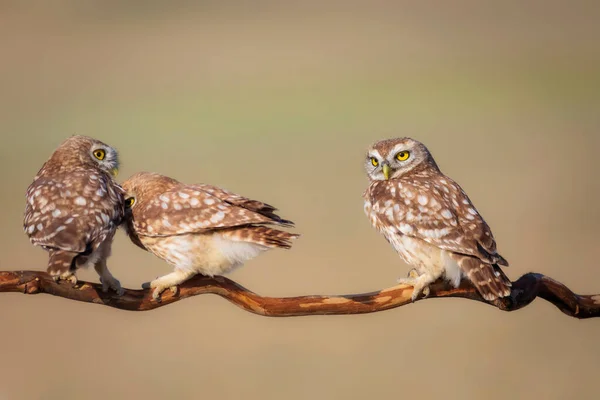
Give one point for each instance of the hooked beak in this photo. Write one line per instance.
(114, 171)
(386, 171)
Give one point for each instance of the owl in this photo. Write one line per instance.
(430, 221)
(198, 229)
(74, 208)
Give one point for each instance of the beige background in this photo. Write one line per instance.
(279, 102)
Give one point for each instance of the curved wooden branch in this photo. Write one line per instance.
(525, 290)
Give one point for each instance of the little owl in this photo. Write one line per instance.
(198, 229)
(430, 221)
(74, 207)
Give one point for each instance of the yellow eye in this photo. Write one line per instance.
(374, 161)
(99, 154)
(129, 202)
(402, 156)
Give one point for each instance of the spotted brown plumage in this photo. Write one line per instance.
(199, 229)
(430, 220)
(73, 208)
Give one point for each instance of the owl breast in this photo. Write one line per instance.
(208, 254)
(413, 251)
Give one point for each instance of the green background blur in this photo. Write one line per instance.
(278, 101)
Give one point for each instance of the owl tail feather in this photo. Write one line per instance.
(61, 262)
(262, 235)
(489, 280)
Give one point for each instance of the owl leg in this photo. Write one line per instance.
(107, 279)
(169, 281)
(420, 283)
(61, 266)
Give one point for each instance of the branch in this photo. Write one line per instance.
(524, 291)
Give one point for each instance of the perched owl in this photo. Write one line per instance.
(430, 220)
(74, 208)
(199, 229)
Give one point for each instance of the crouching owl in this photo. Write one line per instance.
(198, 229)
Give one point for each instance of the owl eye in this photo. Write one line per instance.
(402, 156)
(129, 202)
(99, 154)
(374, 161)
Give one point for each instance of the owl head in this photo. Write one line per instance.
(144, 187)
(393, 158)
(85, 151)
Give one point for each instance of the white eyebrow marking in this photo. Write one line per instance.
(397, 148)
(375, 153)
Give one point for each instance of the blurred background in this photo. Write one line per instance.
(278, 101)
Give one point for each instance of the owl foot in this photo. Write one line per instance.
(413, 273)
(169, 281)
(110, 282)
(159, 288)
(420, 284)
(65, 276)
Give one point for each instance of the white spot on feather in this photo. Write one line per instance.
(422, 199)
(217, 217)
(42, 201)
(405, 228)
(80, 201)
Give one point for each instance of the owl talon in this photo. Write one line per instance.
(418, 286)
(66, 276)
(413, 273)
(110, 282)
(158, 290)
(156, 294)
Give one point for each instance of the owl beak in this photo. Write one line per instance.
(386, 171)
(114, 171)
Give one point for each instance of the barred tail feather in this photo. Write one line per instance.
(488, 279)
(268, 237)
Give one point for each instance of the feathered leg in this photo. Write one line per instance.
(61, 265)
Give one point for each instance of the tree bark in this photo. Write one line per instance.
(524, 291)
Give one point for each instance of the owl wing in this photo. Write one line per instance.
(441, 215)
(201, 208)
(74, 213)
